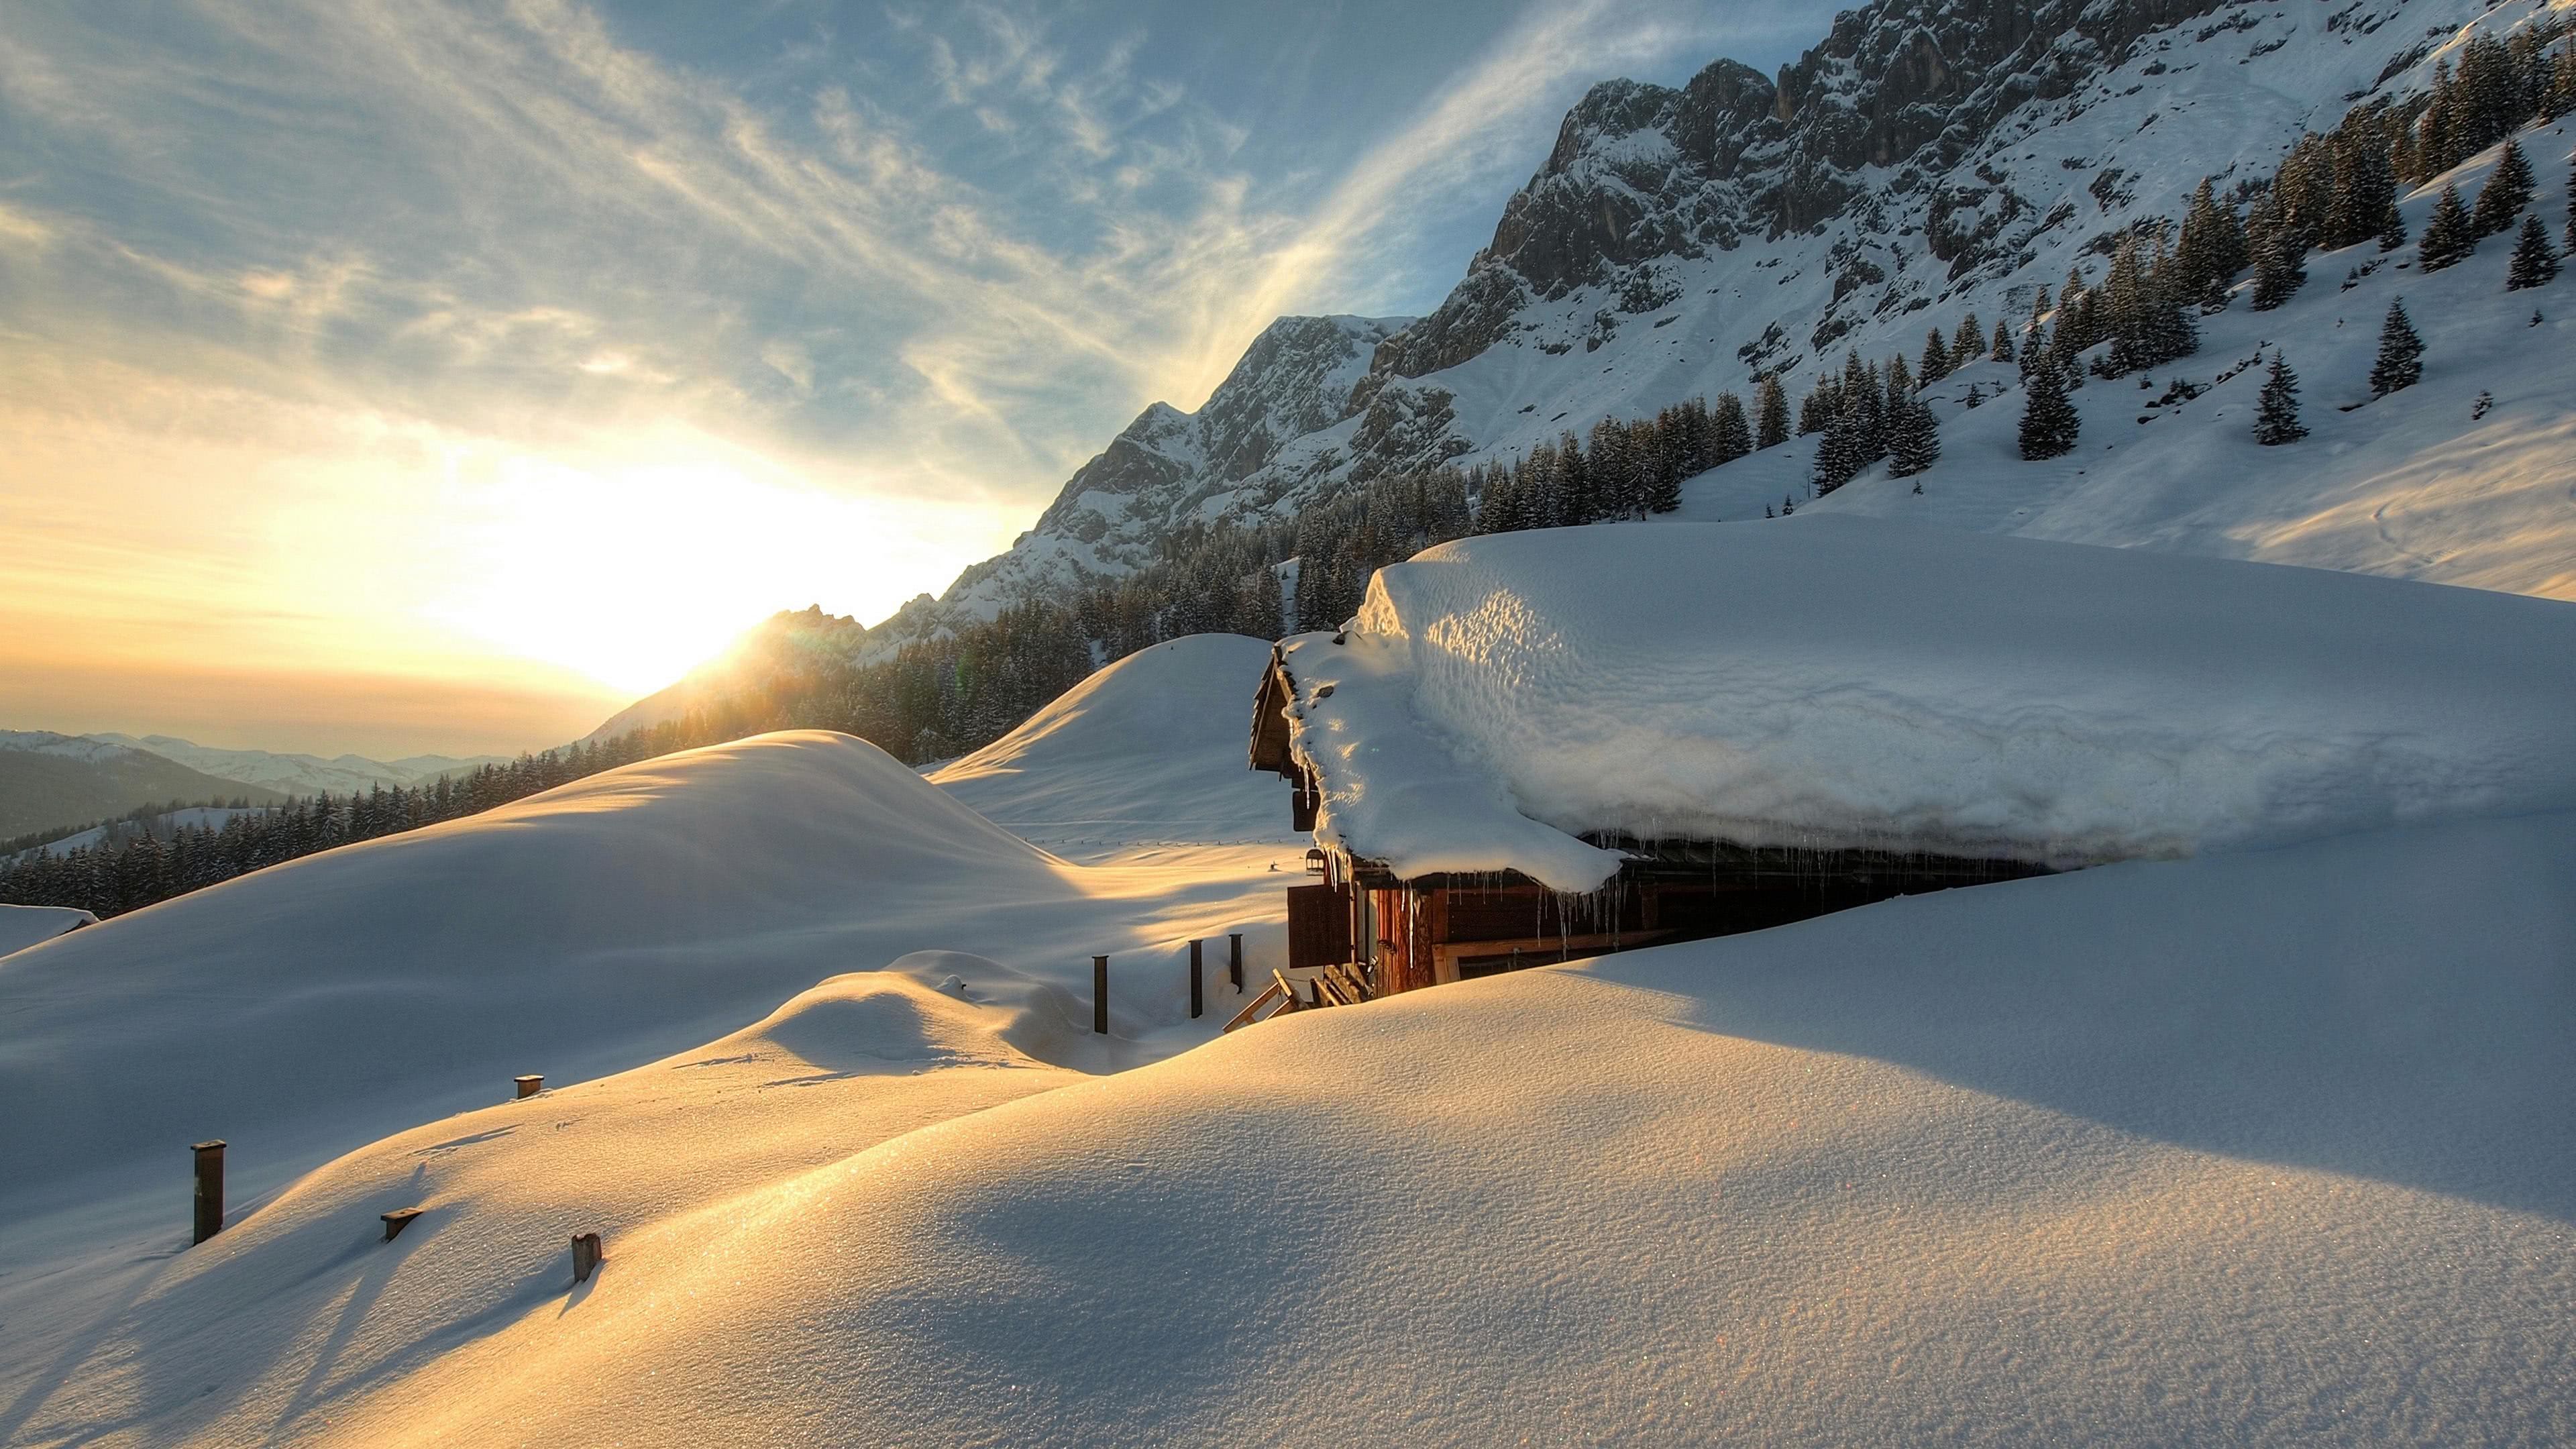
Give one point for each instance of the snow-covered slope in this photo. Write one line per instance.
(25, 926)
(2464, 478)
(1150, 749)
(1928, 160)
(1848, 682)
(2261, 1148)
(315, 1005)
(301, 774)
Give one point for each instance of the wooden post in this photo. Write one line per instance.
(1100, 995)
(397, 1220)
(210, 1188)
(585, 1256)
(529, 1086)
(1234, 960)
(1198, 1001)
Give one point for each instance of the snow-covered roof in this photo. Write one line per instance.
(1831, 682)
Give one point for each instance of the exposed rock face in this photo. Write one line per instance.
(1642, 172)
(1927, 160)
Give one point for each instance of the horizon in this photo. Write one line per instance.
(399, 381)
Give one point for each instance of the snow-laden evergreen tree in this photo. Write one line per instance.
(2365, 189)
(2570, 67)
(1771, 413)
(2211, 250)
(1936, 356)
(2535, 262)
(2448, 241)
(2401, 353)
(1730, 436)
(2279, 268)
(2003, 345)
(2276, 413)
(2507, 192)
(1968, 342)
(2049, 424)
(2392, 230)
(1913, 433)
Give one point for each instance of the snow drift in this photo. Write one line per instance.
(1833, 682)
(1148, 749)
(2248, 1149)
(25, 926)
(320, 1004)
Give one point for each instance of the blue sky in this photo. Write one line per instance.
(600, 331)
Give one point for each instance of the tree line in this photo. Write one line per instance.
(128, 871)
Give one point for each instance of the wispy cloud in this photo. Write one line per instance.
(932, 260)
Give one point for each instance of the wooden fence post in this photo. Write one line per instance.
(531, 1085)
(397, 1220)
(1234, 960)
(210, 1188)
(1100, 995)
(585, 1256)
(1198, 1001)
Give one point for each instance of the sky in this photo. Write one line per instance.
(398, 375)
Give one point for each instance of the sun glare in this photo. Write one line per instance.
(634, 574)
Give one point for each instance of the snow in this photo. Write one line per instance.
(2268, 1147)
(1149, 750)
(313, 1006)
(2407, 486)
(25, 926)
(1842, 682)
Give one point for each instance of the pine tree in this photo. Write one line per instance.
(2507, 192)
(2569, 65)
(2276, 416)
(2448, 241)
(2392, 229)
(2401, 354)
(2049, 424)
(1913, 437)
(1771, 427)
(2535, 263)
(1968, 341)
(2279, 269)
(1936, 356)
(1731, 432)
(2003, 348)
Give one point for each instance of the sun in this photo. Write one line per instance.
(634, 574)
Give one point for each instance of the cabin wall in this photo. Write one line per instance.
(1433, 934)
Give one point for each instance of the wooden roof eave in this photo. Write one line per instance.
(1270, 750)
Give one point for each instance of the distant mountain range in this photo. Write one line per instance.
(50, 781)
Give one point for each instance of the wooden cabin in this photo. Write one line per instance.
(1400, 934)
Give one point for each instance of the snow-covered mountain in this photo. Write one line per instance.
(300, 774)
(49, 780)
(1930, 159)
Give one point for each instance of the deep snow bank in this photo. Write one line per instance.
(308, 1008)
(1843, 681)
(1149, 749)
(2248, 1149)
(218, 1345)
(25, 926)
